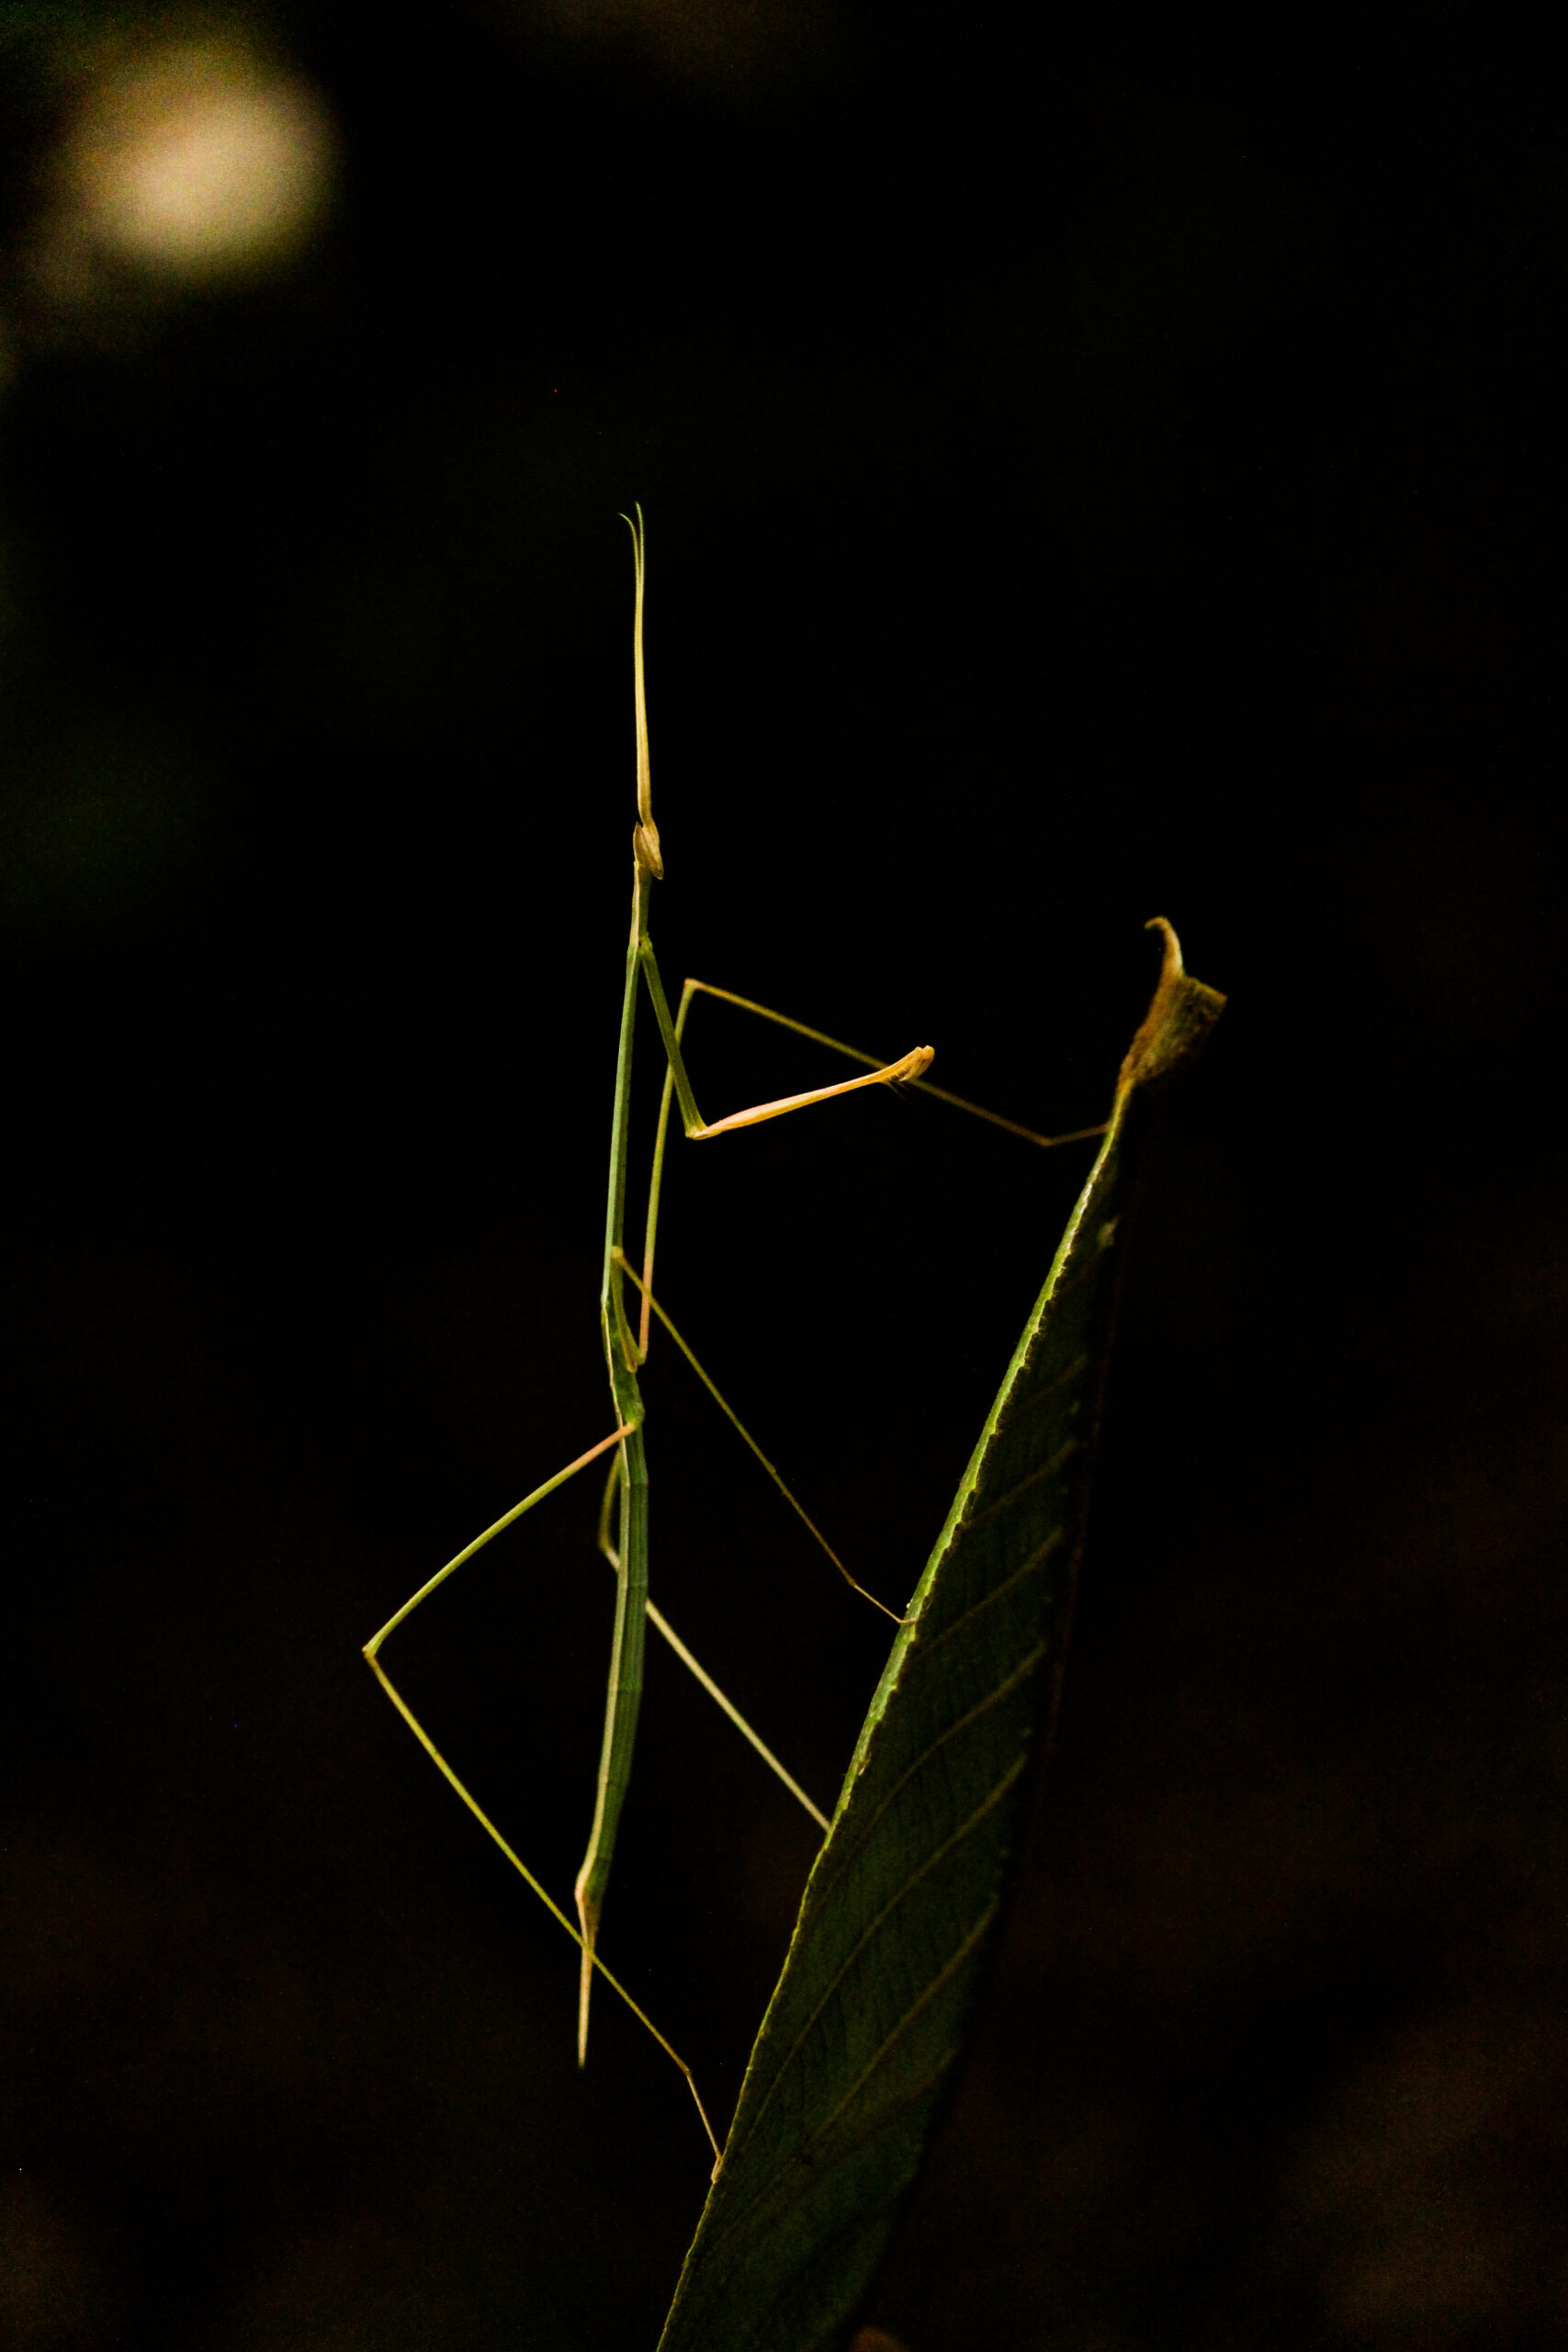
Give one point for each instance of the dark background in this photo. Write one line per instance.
(1095, 466)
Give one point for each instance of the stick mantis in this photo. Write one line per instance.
(623, 1520)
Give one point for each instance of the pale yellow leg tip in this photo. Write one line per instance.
(584, 1994)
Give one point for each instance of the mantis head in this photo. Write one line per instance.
(645, 840)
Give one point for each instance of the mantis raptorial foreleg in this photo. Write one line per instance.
(881, 1073)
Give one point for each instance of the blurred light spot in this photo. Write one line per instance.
(199, 162)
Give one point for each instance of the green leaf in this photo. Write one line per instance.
(870, 2012)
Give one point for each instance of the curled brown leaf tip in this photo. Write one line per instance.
(1180, 1018)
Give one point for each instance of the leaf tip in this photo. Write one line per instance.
(1178, 1020)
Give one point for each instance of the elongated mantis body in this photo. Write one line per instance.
(624, 1525)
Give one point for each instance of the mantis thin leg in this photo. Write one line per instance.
(907, 1069)
(663, 1626)
(734, 1418)
(884, 1071)
(920, 1085)
(495, 1528)
(372, 1648)
(551, 1906)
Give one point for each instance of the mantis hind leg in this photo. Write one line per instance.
(372, 1657)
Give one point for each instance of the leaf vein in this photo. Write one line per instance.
(815, 1898)
(1046, 1470)
(1010, 1414)
(921, 1653)
(947, 1970)
(955, 1838)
